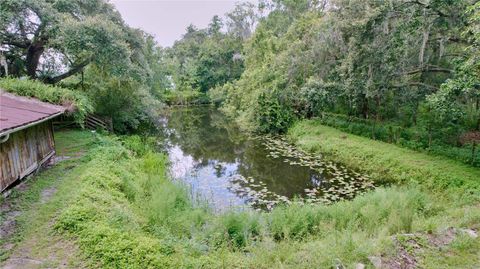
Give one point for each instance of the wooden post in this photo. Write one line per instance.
(3, 62)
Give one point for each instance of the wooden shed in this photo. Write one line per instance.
(26, 136)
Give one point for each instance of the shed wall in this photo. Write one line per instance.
(24, 152)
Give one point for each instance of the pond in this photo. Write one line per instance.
(228, 168)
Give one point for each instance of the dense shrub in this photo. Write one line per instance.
(129, 103)
(271, 116)
(185, 97)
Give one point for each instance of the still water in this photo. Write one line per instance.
(227, 168)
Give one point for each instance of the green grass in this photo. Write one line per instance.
(79, 102)
(120, 210)
(34, 234)
(439, 142)
(387, 163)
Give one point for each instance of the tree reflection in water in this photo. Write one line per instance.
(227, 168)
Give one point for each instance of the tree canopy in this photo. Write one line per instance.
(84, 45)
(377, 60)
(399, 65)
(57, 39)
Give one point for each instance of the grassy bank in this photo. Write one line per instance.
(437, 142)
(388, 163)
(116, 208)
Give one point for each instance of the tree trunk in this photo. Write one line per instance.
(3, 62)
(429, 136)
(474, 145)
(365, 109)
(421, 54)
(34, 52)
(477, 107)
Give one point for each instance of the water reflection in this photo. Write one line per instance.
(227, 168)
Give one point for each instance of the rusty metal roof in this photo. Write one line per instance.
(20, 112)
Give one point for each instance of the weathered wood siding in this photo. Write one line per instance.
(24, 152)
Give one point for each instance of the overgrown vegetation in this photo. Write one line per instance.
(406, 64)
(376, 60)
(185, 97)
(76, 102)
(207, 58)
(88, 48)
(404, 72)
(402, 64)
(412, 137)
(125, 212)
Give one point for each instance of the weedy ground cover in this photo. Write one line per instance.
(117, 208)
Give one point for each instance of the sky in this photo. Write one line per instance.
(168, 19)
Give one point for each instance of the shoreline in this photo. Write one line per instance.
(113, 208)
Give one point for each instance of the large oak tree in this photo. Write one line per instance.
(55, 39)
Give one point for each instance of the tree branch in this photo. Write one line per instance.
(428, 68)
(416, 84)
(74, 70)
(9, 39)
(427, 6)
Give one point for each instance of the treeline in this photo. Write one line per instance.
(401, 61)
(87, 47)
(405, 71)
(205, 58)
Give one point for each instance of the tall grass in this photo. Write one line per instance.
(128, 214)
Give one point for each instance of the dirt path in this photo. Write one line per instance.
(35, 247)
(409, 247)
(36, 253)
(9, 213)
